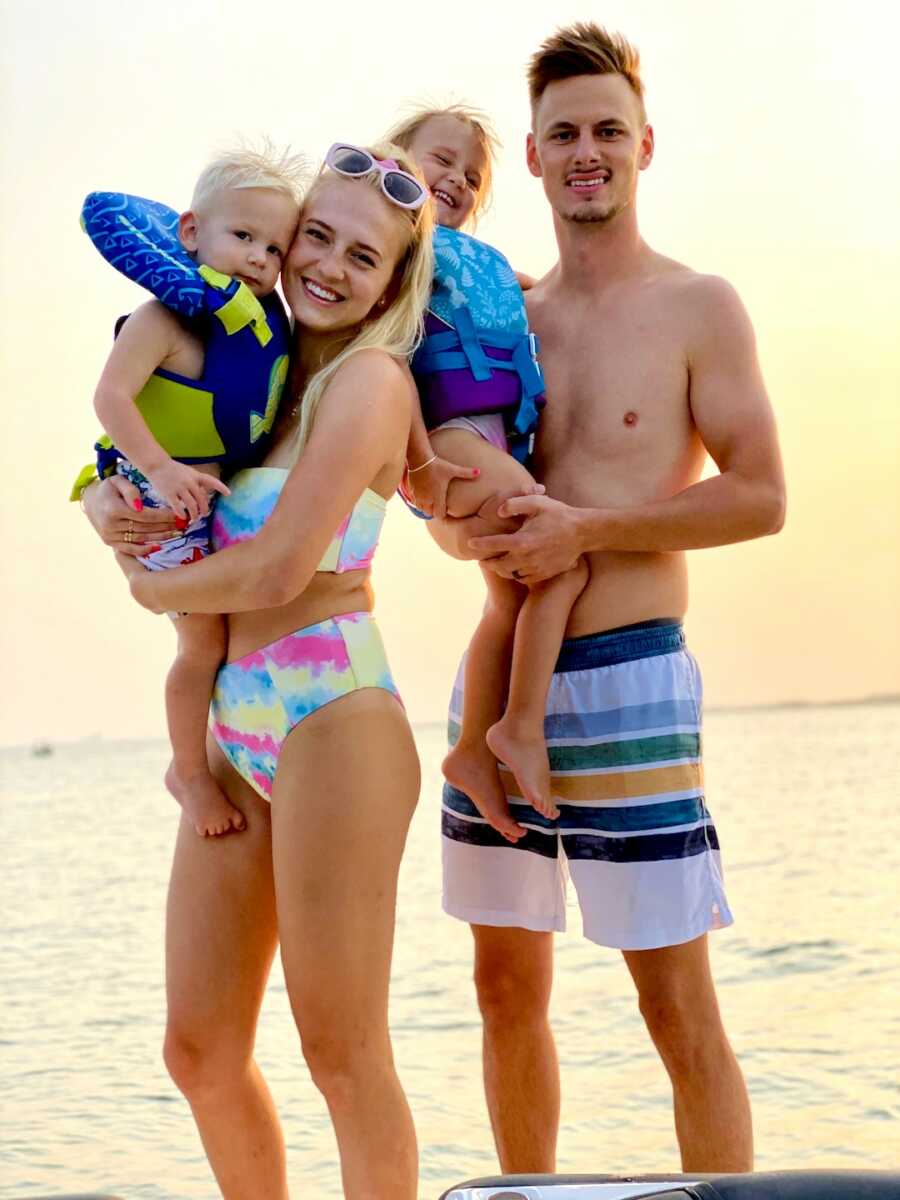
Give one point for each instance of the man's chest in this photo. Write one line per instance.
(614, 374)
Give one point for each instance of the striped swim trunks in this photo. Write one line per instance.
(634, 833)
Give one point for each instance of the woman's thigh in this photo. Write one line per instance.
(345, 791)
(220, 923)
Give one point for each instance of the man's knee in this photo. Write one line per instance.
(512, 979)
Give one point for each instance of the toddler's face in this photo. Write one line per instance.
(243, 232)
(453, 163)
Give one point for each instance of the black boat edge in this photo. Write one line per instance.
(764, 1185)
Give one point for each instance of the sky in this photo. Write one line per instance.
(777, 166)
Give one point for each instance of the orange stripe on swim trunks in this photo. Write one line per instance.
(618, 785)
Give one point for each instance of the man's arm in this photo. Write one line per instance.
(733, 417)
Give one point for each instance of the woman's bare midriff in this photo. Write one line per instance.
(327, 595)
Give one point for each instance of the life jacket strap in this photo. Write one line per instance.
(241, 309)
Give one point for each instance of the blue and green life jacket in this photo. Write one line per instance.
(226, 415)
(478, 355)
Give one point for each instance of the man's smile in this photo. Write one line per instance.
(586, 183)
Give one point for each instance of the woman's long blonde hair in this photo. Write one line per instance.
(398, 329)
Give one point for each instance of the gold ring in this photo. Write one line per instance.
(131, 527)
(129, 536)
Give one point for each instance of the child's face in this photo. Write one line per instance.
(243, 232)
(453, 163)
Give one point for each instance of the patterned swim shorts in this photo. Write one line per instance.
(634, 834)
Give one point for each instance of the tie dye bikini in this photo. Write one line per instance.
(260, 698)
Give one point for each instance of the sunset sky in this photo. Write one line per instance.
(777, 166)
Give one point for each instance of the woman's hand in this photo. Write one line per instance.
(115, 510)
(428, 484)
(185, 489)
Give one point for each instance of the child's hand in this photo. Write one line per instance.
(428, 485)
(185, 489)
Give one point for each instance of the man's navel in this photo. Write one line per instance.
(630, 418)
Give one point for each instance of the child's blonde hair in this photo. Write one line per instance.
(404, 131)
(247, 167)
(398, 329)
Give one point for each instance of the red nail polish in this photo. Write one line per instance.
(153, 549)
(138, 505)
(477, 472)
(181, 522)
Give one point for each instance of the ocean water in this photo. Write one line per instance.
(806, 804)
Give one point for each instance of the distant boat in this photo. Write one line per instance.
(41, 750)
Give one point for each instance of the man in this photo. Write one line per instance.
(649, 367)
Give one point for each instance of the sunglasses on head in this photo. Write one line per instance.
(400, 187)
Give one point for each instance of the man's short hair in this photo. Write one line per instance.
(584, 49)
(246, 167)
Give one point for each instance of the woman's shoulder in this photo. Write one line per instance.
(374, 372)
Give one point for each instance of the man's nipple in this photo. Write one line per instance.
(630, 418)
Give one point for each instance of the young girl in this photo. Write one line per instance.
(462, 468)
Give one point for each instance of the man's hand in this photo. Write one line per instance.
(428, 485)
(548, 543)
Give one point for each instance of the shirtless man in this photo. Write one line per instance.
(649, 367)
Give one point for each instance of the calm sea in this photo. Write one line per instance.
(807, 803)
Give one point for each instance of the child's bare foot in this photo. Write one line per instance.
(204, 803)
(475, 773)
(526, 757)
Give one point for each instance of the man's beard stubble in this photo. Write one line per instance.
(593, 217)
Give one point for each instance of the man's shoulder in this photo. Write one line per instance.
(695, 288)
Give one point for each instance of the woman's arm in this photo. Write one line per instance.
(147, 339)
(361, 426)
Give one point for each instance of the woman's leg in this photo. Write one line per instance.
(189, 685)
(344, 794)
(470, 765)
(518, 738)
(220, 942)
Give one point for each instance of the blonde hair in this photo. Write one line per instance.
(398, 329)
(404, 131)
(247, 167)
(584, 49)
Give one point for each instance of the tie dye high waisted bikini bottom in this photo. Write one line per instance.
(260, 698)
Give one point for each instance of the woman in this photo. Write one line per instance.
(311, 743)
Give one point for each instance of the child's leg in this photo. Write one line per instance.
(517, 739)
(189, 685)
(470, 765)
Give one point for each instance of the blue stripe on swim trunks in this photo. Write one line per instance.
(626, 770)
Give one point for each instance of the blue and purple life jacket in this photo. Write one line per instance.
(478, 355)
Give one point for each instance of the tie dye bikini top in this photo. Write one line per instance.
(255, 492)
